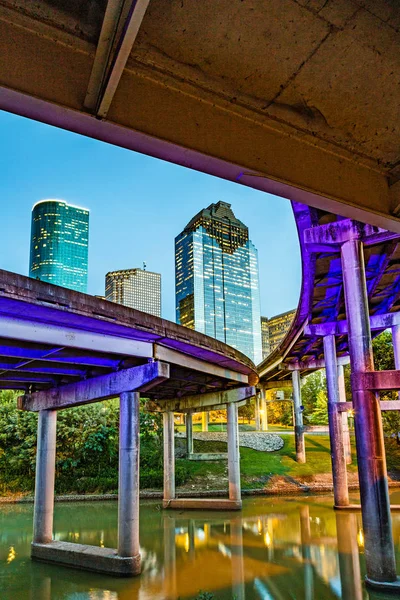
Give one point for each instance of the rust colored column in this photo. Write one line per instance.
(374, 493)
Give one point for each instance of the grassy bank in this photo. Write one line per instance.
(258, 469)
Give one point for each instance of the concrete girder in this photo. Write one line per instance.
(183, 360)
(384, 405)
(377, 322)
(327, 238)
(277, 385)
(121, 25)
(202, 402)
(152, 406)
(69, 337)
(304, 365)
(103, 387)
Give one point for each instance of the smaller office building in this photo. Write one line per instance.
(273, 331)
(135, 288)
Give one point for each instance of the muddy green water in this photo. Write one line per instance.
(281, 549)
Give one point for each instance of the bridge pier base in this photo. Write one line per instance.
(298, 419)
(339, 473)
(374, 493)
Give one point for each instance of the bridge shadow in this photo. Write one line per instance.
(318, 446)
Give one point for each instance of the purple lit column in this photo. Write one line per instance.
(169, 456)
(374, 493)
(128, 483)
(45, 475)
(345, 418)
(298, 419)
(339, 473)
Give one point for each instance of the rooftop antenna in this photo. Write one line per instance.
(144, 266)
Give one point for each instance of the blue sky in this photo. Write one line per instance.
(137, 206)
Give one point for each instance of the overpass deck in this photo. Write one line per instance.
(322, 301)
(51, 337)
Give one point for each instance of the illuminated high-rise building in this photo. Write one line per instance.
(135, 288)
(216, 276)
(59, 244)
(273, 331)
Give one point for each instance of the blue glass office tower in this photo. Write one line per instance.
(59, 244)
(216, 276)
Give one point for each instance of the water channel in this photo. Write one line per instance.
(275, 549)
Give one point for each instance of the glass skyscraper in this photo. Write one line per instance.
(59, 244)
(216, 276)
(135, 288)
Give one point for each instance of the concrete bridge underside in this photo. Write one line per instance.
(298, 98)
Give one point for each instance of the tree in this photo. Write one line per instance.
(313, 385)
(320, 412)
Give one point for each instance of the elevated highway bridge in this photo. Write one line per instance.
(299, 98)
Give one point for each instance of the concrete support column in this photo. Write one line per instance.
(374, 494)
(189, 433)
(233, 452)
(298, 419)
(339, 473)
(128, 483)
(257, 412)
(204, 421)
(263, 410)
(169, 456)
(45, 475)
(345, 418)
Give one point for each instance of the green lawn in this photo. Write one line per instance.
(257, 467)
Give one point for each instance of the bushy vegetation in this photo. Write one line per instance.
(87, 449)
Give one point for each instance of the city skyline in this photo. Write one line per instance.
(217, 282)
(137, 204)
